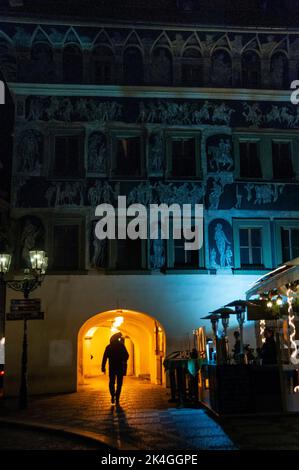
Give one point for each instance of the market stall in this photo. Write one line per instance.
(246, 383)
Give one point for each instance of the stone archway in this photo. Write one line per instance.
(144, 338)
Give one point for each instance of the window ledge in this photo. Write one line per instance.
(241, 271)
(186, 271)
(121, 272)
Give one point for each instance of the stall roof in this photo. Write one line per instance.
(281, 276)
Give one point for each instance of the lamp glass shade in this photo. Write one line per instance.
(5, 260)
(38, 260)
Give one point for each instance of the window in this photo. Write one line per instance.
(192, 67)
(250, 247)
(66, 247)
(289, 243)
(180, 258)
(102, 65)
(129, 254)
(133, 66)
(161, 66)
(250, 165)
(185, 258)
(279, 71)
(128, 156)
(282, 160)
(68, 157)
(72, 64)
(221, 70)
(252, 244)
(251, 70)
(183, 156)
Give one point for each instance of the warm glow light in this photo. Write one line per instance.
(38, 260)
(296, 389)
(269, 304)
(5, 260)
(279, 300)
(294, 355)
(91, 332)
(113, 329)
(262, 330)
(118, 321)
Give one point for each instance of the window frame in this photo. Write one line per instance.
(116, 135)
(67, 133)
(278, 225)
(173, 135)
(67, 221)
(170, 255)
(262, 224)
(281, 140)
(265, 140)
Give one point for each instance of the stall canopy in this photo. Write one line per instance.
(277, 279)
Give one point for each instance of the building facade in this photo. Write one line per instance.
(161, 112)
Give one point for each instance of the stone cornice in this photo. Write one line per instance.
(150, 92)
(165, 26)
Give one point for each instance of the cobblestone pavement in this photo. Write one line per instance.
(145, 419)
(16, 439)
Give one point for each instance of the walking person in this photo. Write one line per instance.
(117, 355)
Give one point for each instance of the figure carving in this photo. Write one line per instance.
(28, 239)
(97, 153)
(156, 153)
(215, 194)
(157, 254)
(253, 114)
(264, 193)
(28, 152)
(99, 252)
(220, 156)
(222, 114)
(222, 244)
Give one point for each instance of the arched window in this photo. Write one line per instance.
(192, 67)
(102, 65)
(221, 71)
(72, 64)
(161, 66)
(42, 66)
(279, 71)
(251, 70)
(133, 66)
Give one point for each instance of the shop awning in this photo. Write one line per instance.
(276, 279)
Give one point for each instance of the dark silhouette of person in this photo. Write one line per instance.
(268, 351)
(237, 346)
(117, 355)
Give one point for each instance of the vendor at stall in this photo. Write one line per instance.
(268, 350)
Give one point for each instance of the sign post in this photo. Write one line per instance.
(24, 309)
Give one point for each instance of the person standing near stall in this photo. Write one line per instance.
(268, 350)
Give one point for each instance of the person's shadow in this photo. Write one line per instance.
(120, 429)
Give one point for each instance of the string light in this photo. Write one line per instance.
(291, 319)
(269, 304)
(296, 389)
(262, 330)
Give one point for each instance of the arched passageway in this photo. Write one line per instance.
(144, 339)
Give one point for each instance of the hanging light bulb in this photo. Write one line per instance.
(279, 300)
(269, 304)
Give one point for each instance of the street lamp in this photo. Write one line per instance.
(32, 279)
